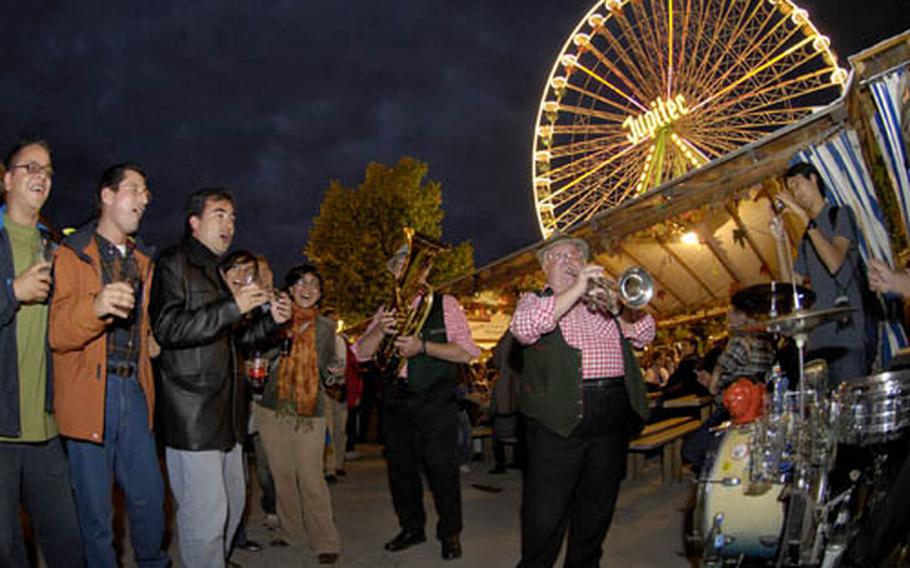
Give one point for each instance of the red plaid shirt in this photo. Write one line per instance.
(594, 334)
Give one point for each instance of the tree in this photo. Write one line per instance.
(359, 229)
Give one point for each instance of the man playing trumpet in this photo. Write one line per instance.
(579, 413)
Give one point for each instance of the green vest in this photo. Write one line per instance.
(425, 371)
(550, 389)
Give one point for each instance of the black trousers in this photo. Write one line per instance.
(421, 432)
(37, 475)
(572, 483)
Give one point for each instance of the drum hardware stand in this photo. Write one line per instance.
(725, 481)
(715, 541)
(802, 506)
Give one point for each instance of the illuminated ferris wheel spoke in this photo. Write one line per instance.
(604, 198)
(609, 85)
(669, 47)
(588, 171)
(593, 113)
(628, 83)
(684, 35)
(720, 52)
(707, 43)
(718, 145)
(604, 129)
(737, 108)
(570, 172)
(589, 95)
(625, 57)
(686, 64)
(724, 68)
(636, 50)
(768, 63)
(649, 34)
(608, 142)
(595, 169)
(582, 152)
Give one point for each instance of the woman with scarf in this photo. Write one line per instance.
(292, 423)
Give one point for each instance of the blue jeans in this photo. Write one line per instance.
(128, 456)
(700, 447)
(36, 475)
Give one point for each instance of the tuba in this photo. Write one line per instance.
(409, 284)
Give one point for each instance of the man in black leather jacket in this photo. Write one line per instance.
(200, 324)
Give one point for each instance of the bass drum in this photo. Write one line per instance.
(738, 518)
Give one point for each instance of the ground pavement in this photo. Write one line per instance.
(646, 533)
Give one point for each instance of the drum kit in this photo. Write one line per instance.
(776, 493)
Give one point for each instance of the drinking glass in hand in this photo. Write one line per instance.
(257, 370)
(44, 251)
(135, 284)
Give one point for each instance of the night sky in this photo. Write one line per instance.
(274, 99)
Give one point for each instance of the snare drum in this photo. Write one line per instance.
(739, 518)
(873, 409)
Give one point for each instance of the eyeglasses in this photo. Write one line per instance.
(565, 257)
(307, 283)
(34, 168)
(138, 190)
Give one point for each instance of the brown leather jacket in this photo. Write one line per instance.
(78, 339)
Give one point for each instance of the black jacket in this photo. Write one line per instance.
(200, 391)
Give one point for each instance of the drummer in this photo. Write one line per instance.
(889, 524)
(828, 257)
(745, 355)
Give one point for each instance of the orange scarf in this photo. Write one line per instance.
(298, 372)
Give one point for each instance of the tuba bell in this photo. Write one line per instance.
(420, 251)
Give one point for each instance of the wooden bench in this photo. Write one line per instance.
(485, 435)
(666, 435)
(701, 404)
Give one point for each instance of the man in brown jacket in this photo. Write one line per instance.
(100, 336)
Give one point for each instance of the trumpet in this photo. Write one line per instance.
(778, 205)
(634, 289)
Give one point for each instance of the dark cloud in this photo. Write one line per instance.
(274, 99)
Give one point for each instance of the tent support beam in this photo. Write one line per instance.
(666, 248)
(734, 214)
(662, 286)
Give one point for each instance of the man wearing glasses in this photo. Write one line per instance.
(202, 402)
(582, 395)
(33, 468)
(105, 394)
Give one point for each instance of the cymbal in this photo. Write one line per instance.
(771, 298)
(804, 321)
(793, 323)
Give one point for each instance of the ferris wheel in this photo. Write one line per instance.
(645, 90)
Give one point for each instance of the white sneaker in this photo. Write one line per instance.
(353, 455)
(271, 521)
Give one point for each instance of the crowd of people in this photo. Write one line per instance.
(112, 349)
(84, 320)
